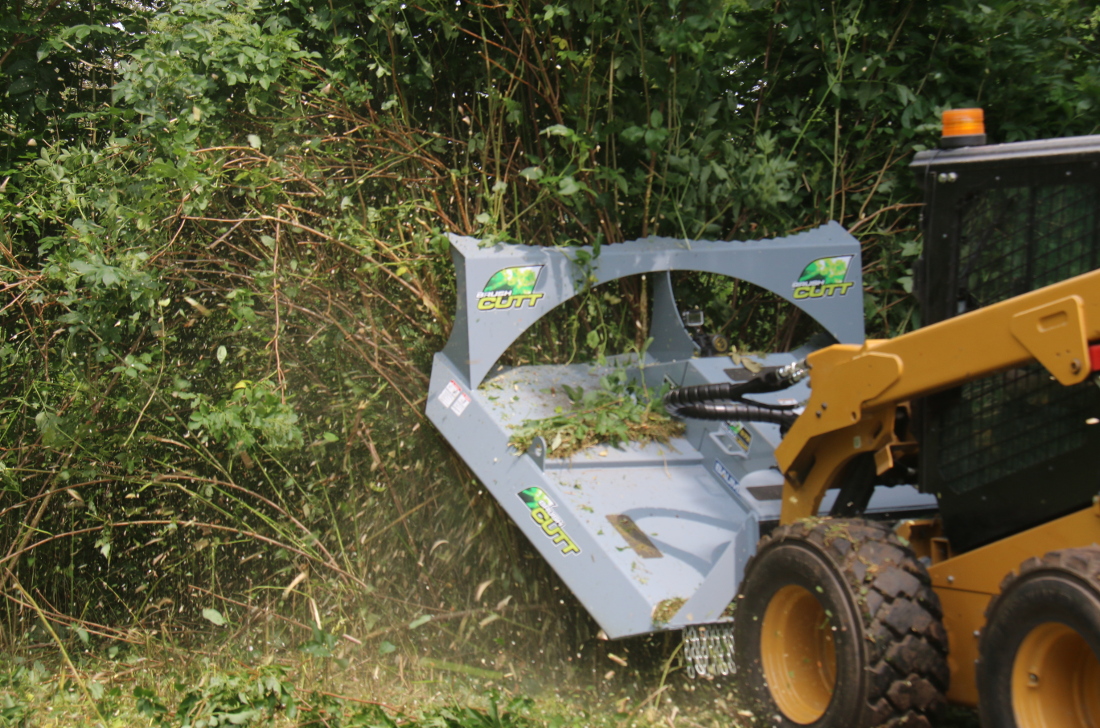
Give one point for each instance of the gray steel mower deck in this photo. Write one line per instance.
(647, 537)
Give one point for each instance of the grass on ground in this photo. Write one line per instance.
(633, 683)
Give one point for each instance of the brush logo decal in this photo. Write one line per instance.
(510, 288)
(824, 277)
(542, 513)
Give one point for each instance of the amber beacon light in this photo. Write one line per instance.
(963, 128)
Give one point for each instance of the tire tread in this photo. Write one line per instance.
(902, 618)
(1083, 563)
(1003, 630)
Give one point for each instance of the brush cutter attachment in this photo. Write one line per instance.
(647, 536)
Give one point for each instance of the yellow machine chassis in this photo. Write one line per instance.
(966, 583)
(857, 391)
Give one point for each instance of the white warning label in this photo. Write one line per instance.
(462, 401)
(449, 394)
(453, 398)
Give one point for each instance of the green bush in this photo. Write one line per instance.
(225, 272)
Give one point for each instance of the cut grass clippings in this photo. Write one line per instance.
(620, 411)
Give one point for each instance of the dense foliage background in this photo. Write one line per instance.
(224, 271)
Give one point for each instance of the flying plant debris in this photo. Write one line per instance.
(619, 411)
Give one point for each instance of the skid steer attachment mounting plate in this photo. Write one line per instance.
(647, 537)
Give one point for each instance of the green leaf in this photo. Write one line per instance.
(420, 621)
(633, 133)
(242, 717)
(568, 186)
(386, 647)
(253, 141)
(214, 616)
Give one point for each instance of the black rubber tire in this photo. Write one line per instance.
(887, 633)
(1062, 588)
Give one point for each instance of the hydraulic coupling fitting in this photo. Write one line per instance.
(789, 374)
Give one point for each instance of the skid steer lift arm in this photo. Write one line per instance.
(857, 390)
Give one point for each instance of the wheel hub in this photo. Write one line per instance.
(1056, 680)
(798, 654)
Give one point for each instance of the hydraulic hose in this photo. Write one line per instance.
(725, 401)
(736, 411)
(706, 393)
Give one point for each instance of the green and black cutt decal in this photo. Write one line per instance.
(542, 513)
(510, 288)
(824, 277)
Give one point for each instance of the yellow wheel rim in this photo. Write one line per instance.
(798, 654)
(1056, 680)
